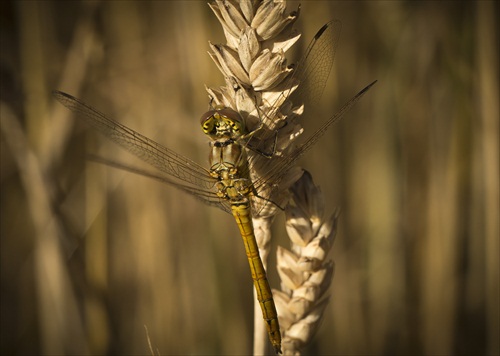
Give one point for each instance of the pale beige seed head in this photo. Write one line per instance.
(258, 84)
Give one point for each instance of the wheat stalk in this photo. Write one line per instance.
(258, 86)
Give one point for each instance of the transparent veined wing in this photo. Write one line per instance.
(280, 166)
(314, 68)
(200, 183)
(311, 74)
(205, 196)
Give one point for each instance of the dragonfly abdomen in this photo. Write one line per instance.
(242, 215)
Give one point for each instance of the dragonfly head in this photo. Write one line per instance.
(222, 123)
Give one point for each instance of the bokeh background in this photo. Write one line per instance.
(91, 255)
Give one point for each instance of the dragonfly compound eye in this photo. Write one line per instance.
(234, 120)
(222, 122)
(208, 122)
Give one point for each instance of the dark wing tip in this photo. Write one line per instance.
(321, 30)
(59, 95)
(325, 26)
(365, 89)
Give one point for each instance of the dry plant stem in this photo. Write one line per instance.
(36, 149)
(150, 345)
(262, 227)
(59, 314)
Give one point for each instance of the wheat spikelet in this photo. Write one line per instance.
(305, 271)
(258, 86)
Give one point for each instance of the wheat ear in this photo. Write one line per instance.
(258, 86)
(305, 270)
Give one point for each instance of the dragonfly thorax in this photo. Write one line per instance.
(222, 123)
(228, 164)
(227, 160)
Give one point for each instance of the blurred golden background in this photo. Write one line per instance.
(90, 255)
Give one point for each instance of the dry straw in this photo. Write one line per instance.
(258, 85)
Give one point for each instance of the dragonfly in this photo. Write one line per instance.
(227, 183)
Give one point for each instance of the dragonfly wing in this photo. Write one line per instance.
(146, 149)
(314, 69)
(310, 73)
(206, 196)
(277, 168)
